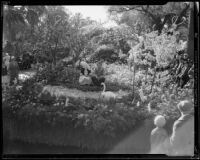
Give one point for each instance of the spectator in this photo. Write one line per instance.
(191, 72)
(96, 75)
(4, 69)
(175, 65)
(159, 137)
(190, 83)
(6, 60)
(13, 70)
(84, 67)
(5, 79)
(182, 72)
(182, 138)
(26, 61)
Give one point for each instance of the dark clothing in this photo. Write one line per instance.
(97, 81)
(13, 71)
(182, 74)
(27, 60)
(182, 139)
(83, 71)
(4, 71)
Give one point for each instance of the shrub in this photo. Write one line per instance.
(58, 74)
(53, 123)
(106, 53)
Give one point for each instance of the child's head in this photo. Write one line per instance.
(185, 106)
(159, 121)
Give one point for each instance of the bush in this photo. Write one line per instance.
(58, 74)
(106, 53)
(85, 123)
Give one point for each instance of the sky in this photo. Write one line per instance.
(95, 12)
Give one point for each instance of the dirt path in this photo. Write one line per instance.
(64, 91)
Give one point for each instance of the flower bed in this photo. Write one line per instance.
(86, 123)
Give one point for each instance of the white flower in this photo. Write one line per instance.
(18, 87)
(138, 104)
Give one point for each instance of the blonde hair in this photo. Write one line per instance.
(159, 121)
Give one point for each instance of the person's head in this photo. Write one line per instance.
(185, 107)
(159, 121)
(185, 56)
(12, 58)
(177, 56)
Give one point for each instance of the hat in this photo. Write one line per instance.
(185, 106)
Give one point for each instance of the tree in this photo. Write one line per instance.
(12, 17)
(18, 26)
(158, 15)
(76, 39)
(52, 32)
(18, 17)
(190, 47)
(33, 15)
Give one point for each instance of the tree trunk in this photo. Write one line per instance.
(146, 73)
(134, 70)
(154, 76)
(190, 47)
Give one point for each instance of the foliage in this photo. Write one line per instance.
(106, 53)
(48, 29)
(52, 34)
(87, 116)
(164, 46)
(98, 120)
(20, 23)
(117, 36)
(155, 50)
(68, 77)
(150, 15)
(58, 74)
(92, 30)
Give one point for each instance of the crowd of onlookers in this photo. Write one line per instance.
(11, 66)
(181, 141)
